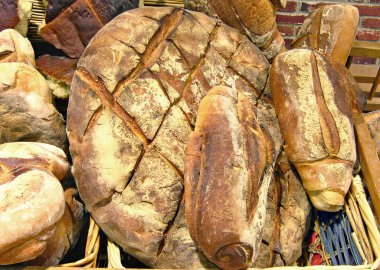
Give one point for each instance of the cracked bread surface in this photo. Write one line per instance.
(133, 104)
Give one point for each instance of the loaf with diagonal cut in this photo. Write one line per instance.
(315, 117)
(330, 29)
(225, 187)
(36, 222)
(133, 104)
(256, 19)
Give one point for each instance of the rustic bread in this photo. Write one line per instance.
(373, 121)
(72, 23)
(27, 117)
(225, 187)
(58, 72)
(24, 10)
(131, 113)
(315, 117)
(30, 194)
(15, 48)
(287, 219)
(19, 77)
(330, 29)
(30, 175)
(256, 19)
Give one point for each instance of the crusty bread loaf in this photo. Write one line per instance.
(330, 29)
(19, 77)
(224, 168)
(131, 112)
(58, 72)
(373, 121)
(27, 117)
(31, 194)
(72, 23)
(256, 19)
(315, 117)
(15, 48)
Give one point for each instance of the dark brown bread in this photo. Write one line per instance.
(72, 24)
(315, 117)
(330, 29)
(131, 113)
(8, 14)
(224, 169)
(256, 19)
(59, 72)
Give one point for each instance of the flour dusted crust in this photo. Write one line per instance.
(19, 77)
(134, 102)
(225, 186)
(15, 48)
(330, 29)
(373, 121)
(315, 118)
(253, 18)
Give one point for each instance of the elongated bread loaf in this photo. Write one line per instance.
(330, 29)
(225, 198)
(315, 117)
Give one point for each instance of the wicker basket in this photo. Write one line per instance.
(365, 231)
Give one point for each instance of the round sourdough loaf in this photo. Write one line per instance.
(15, 48)
(133, 104)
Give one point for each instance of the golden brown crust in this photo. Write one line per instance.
(330, 29)
(373, 121)
(256, 19)
(15, 48)
(133, 104)
(225, 159)
(316, 121)
(29, 184)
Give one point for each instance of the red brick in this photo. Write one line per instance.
(364, 60)
(369, 10)
(374, 1)
(371, 22)
(291, 6)
(368, 35)
(290, 18)
(287, 30)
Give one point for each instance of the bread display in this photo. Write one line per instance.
(15, 48)
(71, 24)
(330, 29)
(373, 121)
(15, 14)
(132, 130)
(256, 19)
(315, 117)
(225, 158)
(58, 71)
(32, 195)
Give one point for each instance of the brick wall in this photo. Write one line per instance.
(290, 19)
